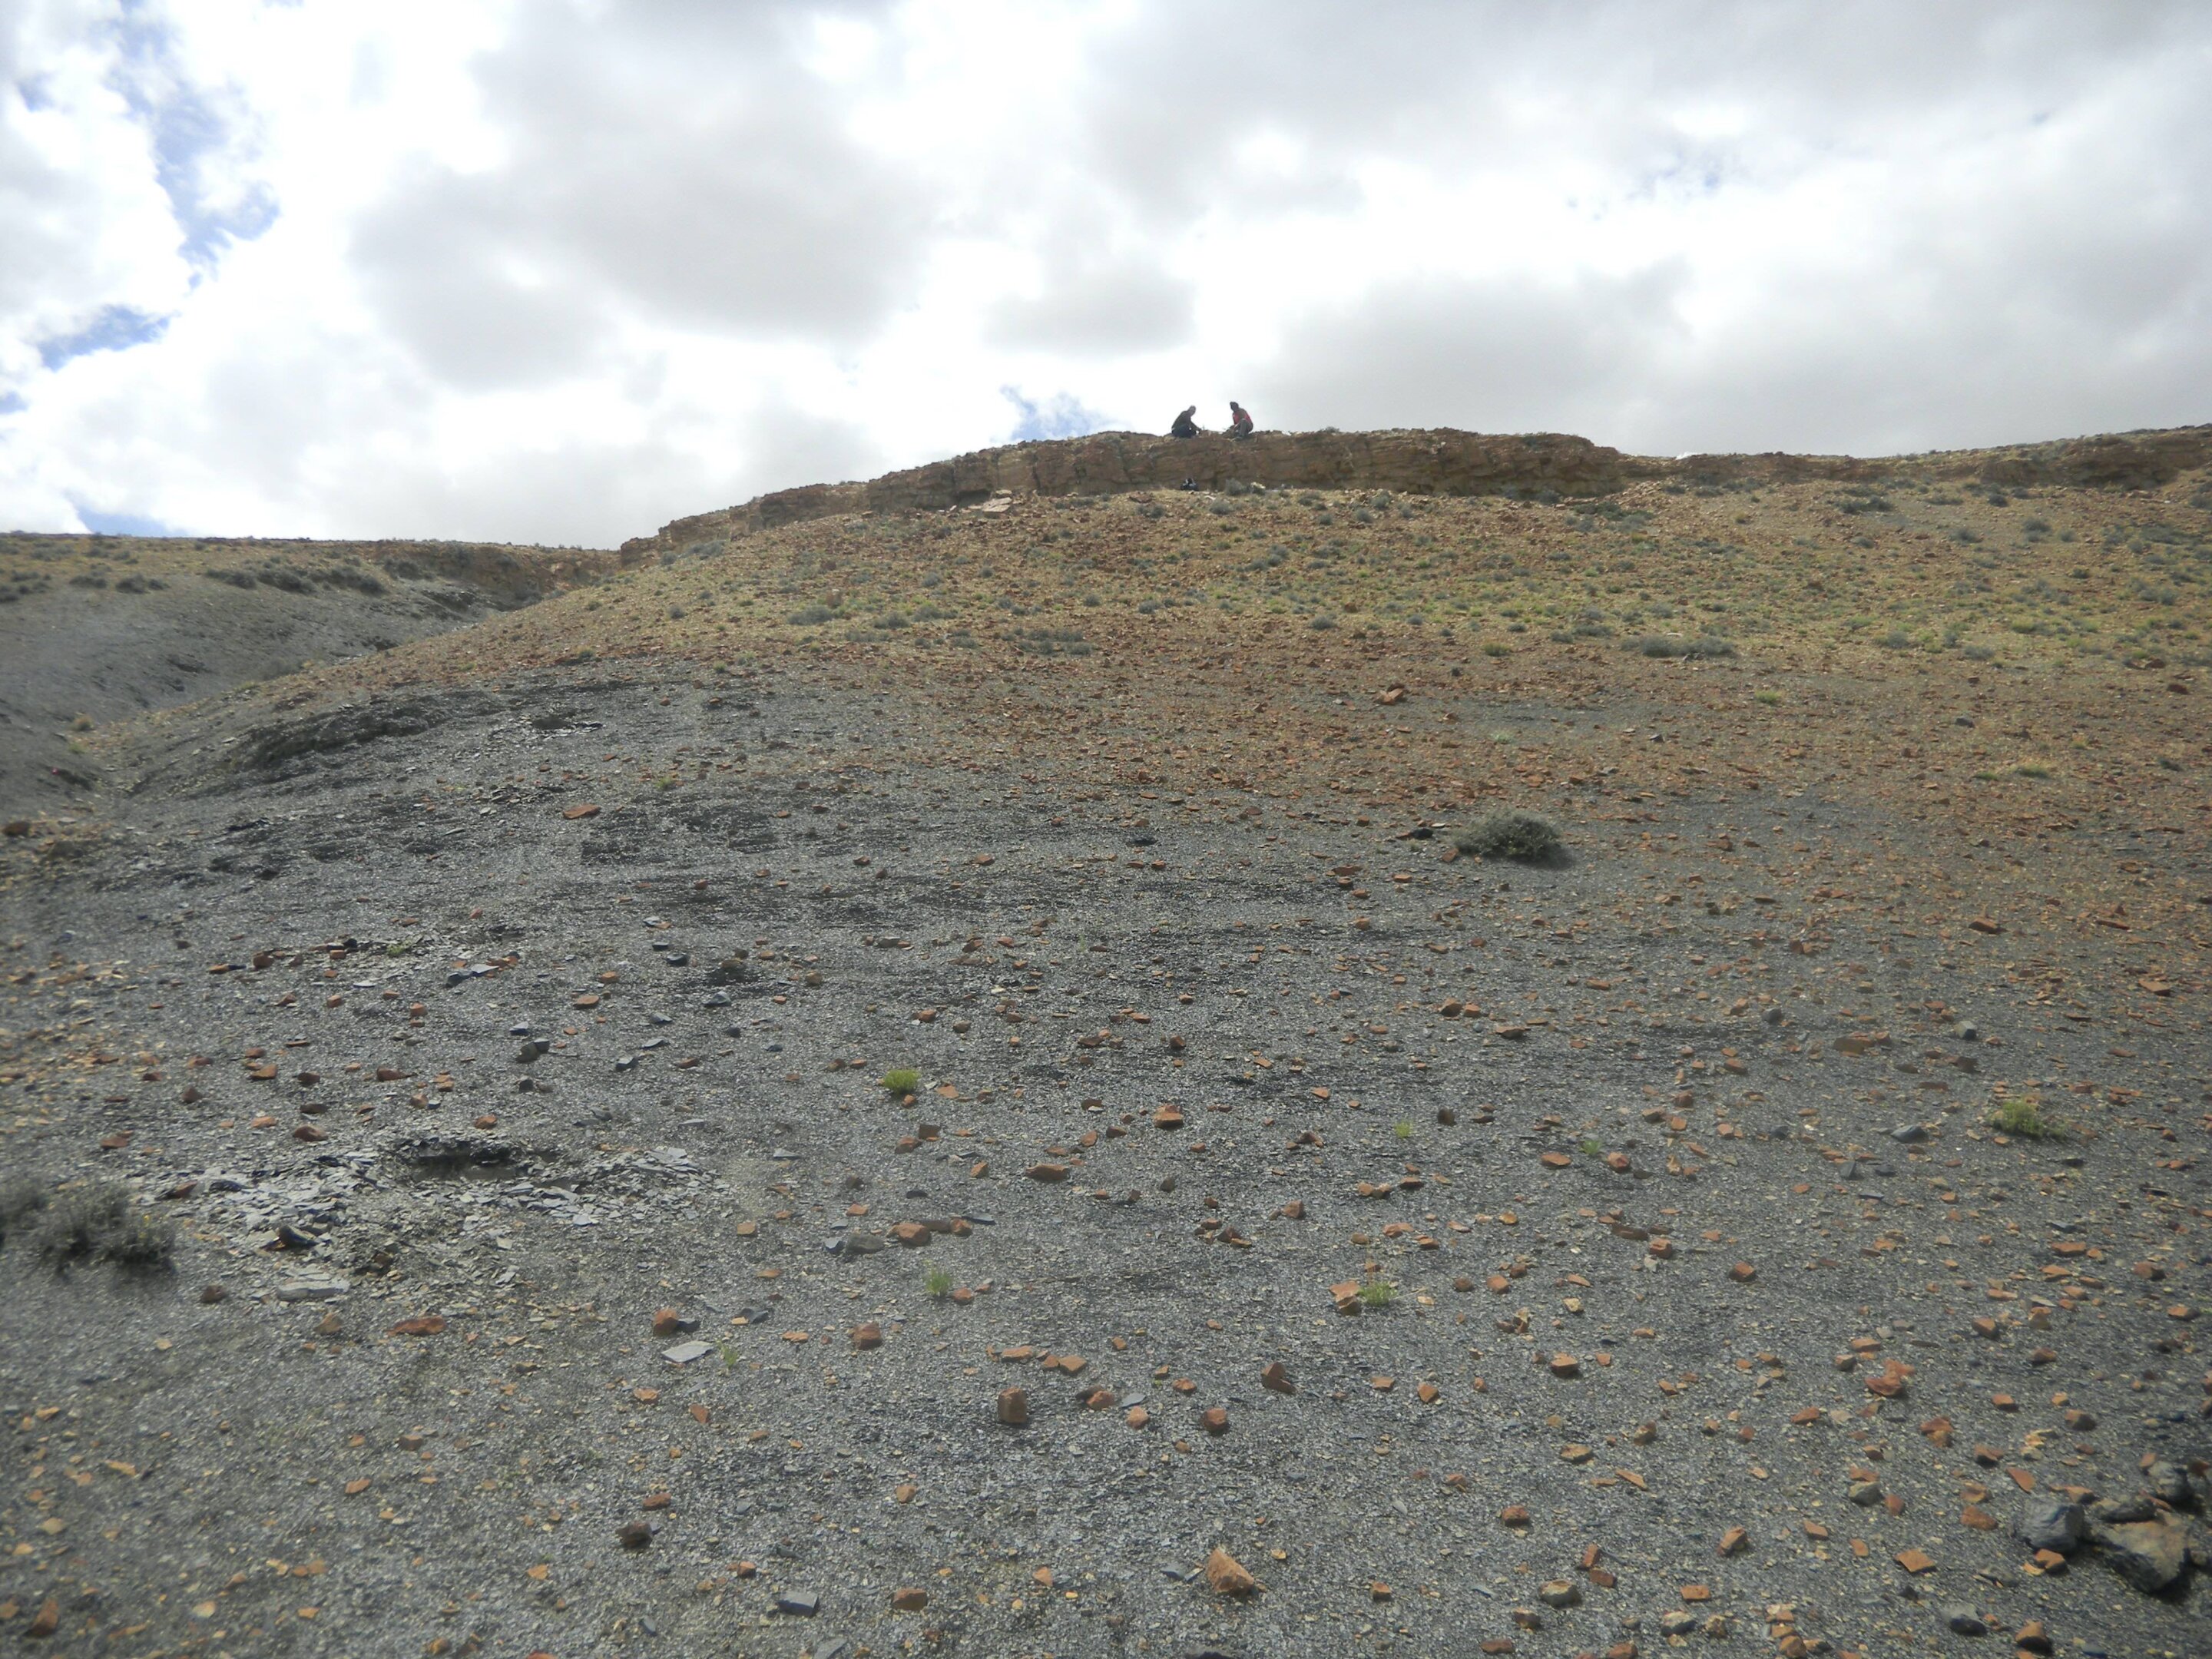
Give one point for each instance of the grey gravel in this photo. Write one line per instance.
(553, 1237)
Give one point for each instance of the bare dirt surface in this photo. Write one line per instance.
(1755, 1230)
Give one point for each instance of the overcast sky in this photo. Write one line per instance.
(562, 269)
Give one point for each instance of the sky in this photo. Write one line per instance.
(561, 271)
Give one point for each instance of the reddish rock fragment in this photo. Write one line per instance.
(1227, 1576)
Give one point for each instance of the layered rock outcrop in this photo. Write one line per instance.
(1439, 462)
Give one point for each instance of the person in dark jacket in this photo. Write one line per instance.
(1186, 424)
(1240, 420)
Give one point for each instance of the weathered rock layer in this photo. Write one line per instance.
(1440, 462)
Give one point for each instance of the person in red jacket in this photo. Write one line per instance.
(1240, 420)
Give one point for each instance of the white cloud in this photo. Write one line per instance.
(1086, 309)
(564, 268)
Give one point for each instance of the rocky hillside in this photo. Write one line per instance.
(1123, 1072)
(96, 627)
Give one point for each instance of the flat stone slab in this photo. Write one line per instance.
(311, 1290)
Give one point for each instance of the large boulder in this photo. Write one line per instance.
(2149, 1554)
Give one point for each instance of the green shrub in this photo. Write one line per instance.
(1522, 836)
(903, 1080)
(937, 1284)
(2023, 1119)
(1378, 1293)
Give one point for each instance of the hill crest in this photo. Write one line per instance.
(1441, 461)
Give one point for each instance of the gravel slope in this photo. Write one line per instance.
(1649, 1224)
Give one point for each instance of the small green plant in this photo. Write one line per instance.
(903, 1080)
(1592, 1146)
(1403, 1128)
(1769, 698)
(730, 1356)
(1378, 1293)
(2022, 1118)
(2031, 769)
(938, 1283)
(1496, 648)
(1506, 834)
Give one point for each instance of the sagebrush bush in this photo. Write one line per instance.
(1522, 836)
(1672, 645)
(100, 1224)
(22, 1198)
